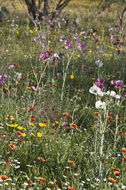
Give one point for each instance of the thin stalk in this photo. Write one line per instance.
(116, 131)
(64, 79)
(103, 126)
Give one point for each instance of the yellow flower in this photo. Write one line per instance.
(31, 124)
(20, 127)
(31, 31)
(90, 51)
(32, 134)
(23, 134)
(42, 125)
(39, 134)
(6, 88)
(49, 41)
(82, 90)
(35, 74)
(72, 76)
(57, 122)
(93, 78)
(13, 125)
(17, 31)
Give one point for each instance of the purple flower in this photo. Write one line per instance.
(37, 20)
(117, 83)
(36, 39)
(76, 38)
(33, 88)
(2, 78)
(62, 38)
(123, 95)
(118, 52)
(61, 55)
(79, 91)
(64, 124)
(101, 51)
(68, 44)
(40, 10)
(44, 37)
(11, 66)
(50, 22)
(112, 37)
(113, 83)
(80, 46)
(59, 75)
(101, 80)
(45, 55)
(118, 43)
(44, 45)
(59, 25)
(99, 84)
(96, 40)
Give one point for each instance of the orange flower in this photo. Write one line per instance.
(117, 173)
(71, 188)
(12, 146)
(95, 113)
(119, 119)
(9, 54)
(71, 163)
(54, 84)
(29, 182)
(3, 177)
(53, 124)
(41, 179)
(116, 169)
(112, 180)
(65, 114)
(74, 126)
(31, 109)
(124, 157)
(123, 150)
(109, 118)
(120, 132)
(18, 133)
(33, 117)
(20, 141)
(4, 133)
(83, 66)
(15, 64)
(10, 117)
(41, 159)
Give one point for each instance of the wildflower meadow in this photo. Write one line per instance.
(63, 98)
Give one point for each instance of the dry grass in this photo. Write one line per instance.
(84, 8)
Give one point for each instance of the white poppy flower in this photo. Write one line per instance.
(113, 93)
(99, 63)
(100, 105)
(118, 96)
(18, 75)
(96, 90)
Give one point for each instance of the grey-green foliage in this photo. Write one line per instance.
(4, 13)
